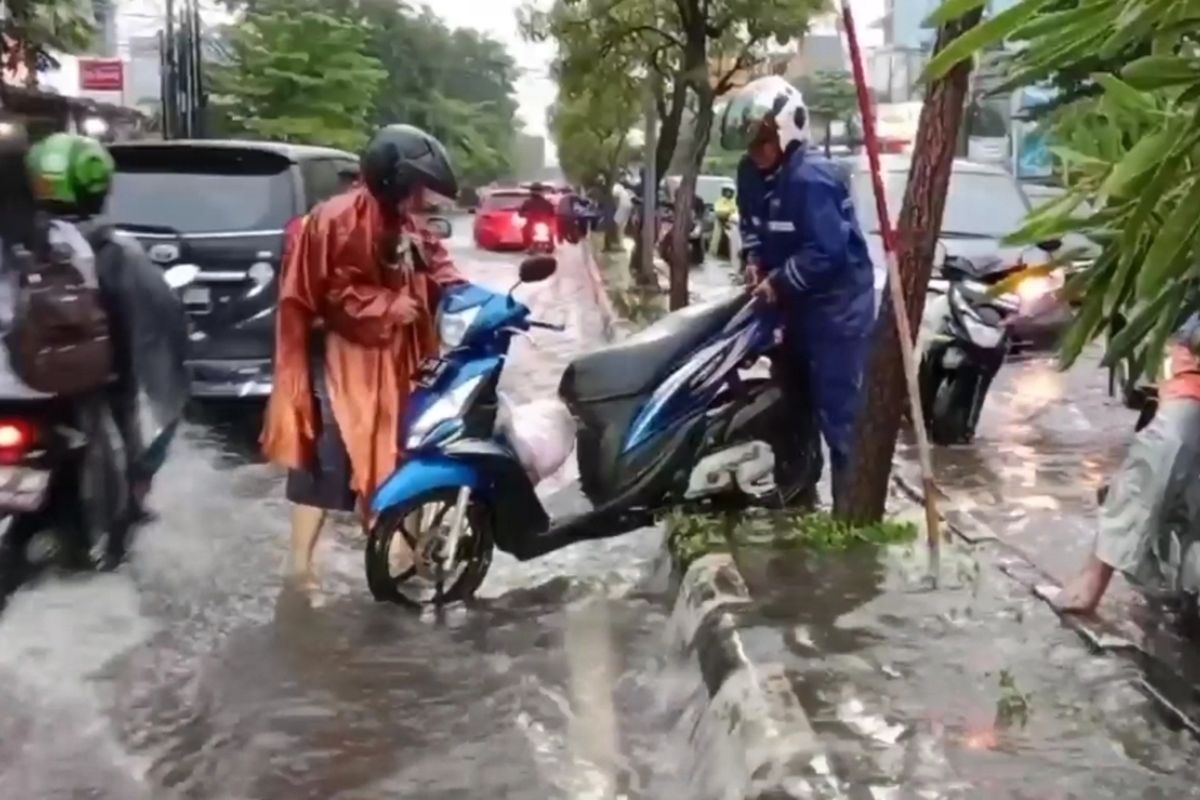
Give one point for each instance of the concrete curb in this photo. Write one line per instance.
(769, 749)
(599, 290)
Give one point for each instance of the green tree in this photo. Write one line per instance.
(590, 123)
(691, 52)
(1131, 152)
(458, 85)
(38, 29)
(300, 75)
(831, 99)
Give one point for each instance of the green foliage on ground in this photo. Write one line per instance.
(690, 536)
(1130, 145)
(300, 75)
(41, 28)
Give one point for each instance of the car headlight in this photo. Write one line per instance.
(260, 273)
(453, 327)
(449, 406)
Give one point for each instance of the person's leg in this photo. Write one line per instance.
(1131, 515)
(307, 523)
(836, 376)
(800, 465)
(324, 487)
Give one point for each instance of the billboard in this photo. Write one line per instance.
(101, 75)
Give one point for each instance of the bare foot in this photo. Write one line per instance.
(1083, 593)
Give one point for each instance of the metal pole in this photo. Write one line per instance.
(650, 179)
(900, 309)
(170, 76)
(198, 97)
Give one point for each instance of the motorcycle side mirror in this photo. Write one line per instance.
(1050, 245)
(181, 275)
(440, 227)
(538, 268)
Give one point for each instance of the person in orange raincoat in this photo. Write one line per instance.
(358, 292)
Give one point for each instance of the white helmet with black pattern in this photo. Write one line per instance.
(769, 98)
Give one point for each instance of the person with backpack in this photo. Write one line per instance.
(147, 324)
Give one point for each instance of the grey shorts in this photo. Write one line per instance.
(326, 483)
(1154, 490)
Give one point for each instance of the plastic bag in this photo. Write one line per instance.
(541, 432)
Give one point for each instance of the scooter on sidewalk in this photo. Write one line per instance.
(962, 343)
(665, 419)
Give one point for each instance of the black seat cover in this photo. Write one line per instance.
(632, 367)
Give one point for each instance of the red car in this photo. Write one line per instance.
(498, 222)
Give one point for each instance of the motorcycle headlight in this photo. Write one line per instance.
(1032, 289)
(981, 333)
(449, 406)
(453, 327)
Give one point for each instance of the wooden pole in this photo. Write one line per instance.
(896, 292)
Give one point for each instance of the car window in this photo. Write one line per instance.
(322, 180)
(201, 190)
(508, 201)
(978, 204)
(348, 174)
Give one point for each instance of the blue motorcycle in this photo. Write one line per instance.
(666, 418)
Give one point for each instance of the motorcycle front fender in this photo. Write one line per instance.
(423, 473)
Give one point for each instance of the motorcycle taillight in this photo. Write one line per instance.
(16, 437)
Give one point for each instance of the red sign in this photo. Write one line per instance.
(101, 74)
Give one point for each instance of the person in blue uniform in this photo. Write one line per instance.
(803, 249)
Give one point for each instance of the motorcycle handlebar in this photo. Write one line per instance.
(549, 326)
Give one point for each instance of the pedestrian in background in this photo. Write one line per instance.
(357, 299)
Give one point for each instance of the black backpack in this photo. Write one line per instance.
(59, 342)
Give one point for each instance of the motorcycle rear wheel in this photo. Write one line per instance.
(409, 521)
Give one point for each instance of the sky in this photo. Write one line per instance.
(535, 90)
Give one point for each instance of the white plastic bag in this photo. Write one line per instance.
(541, 432)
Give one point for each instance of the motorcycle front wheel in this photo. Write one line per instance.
(950, 417)
(401, 556)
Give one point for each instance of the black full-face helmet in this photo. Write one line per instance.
(402, 158)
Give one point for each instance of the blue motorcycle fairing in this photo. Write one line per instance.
(464, 365)
(496, 311)
(424, 472)
(693, 385)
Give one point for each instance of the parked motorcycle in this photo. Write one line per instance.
(962, 344)
(665, 419)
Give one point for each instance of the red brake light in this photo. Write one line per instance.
(15, 438)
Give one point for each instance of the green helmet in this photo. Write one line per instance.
(71, 174)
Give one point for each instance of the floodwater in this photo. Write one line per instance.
(972, 690)
(192, 674)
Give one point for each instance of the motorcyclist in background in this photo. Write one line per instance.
(723, 210)
(537, 208)
(72, 176)
(803, 249)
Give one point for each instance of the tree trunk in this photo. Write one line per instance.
(680, 251)
(829, 138)
(885, 395)
(668, 138)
